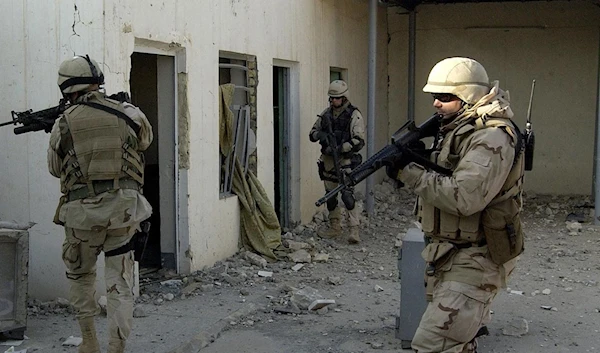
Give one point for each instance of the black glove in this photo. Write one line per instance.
(418, 147)
(322, 136)
(394, 164)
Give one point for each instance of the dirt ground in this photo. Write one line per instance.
(245, 305)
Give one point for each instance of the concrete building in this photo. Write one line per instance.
(172, 56)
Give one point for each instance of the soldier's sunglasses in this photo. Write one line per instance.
(444, 97)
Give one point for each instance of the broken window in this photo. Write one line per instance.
(237, 140)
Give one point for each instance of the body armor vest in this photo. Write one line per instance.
(98, 149)
(340, 127)
(498, 225)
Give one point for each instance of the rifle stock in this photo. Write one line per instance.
(400, 140)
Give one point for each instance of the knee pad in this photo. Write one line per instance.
(332, 204)
(348, 199)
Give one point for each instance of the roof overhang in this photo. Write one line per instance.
(412, 4)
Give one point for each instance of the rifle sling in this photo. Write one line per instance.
(116, 112)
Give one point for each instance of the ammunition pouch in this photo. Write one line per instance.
(503, 231)
(100, 186)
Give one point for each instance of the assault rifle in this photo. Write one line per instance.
(44, 119)
(402, 139)
(332, 145)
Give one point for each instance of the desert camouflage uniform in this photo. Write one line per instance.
(351, 140)
(467, 267)
(105, 221)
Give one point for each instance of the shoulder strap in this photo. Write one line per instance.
(116, 112)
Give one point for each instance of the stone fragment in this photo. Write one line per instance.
(139, 312)
(320, 257)
(255, 259)
(320, 303)
(300, 256)
(191, 288)
(265, 274)
(546, 291)
(516, 328)
(297, 267)
(72, 341)
(295, 245)
(304, 297)
(169, 296)
(378, 288)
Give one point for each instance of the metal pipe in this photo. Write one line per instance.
(597, 151)
(371, 99)
(412, 43)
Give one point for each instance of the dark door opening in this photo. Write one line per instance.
(152, 90)
(281, 144)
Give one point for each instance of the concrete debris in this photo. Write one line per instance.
(335, 280)
(173, 283)
(291, 308)
(139, 312)
(303, 298)
(169, 296)
(378, 288)
(295, 245)
(63, 303)
(320, 257)
(320, 303)
(516, 328)
(297, 267)
(255, 259)
(300, 256)
(546, 291)
(73, 341)
(191, 287)
(376, 345)
(265, 274)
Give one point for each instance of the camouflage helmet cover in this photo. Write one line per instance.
(338, 88)
(463, 77)
(78, 74)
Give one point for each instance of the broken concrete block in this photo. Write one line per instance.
(304, 297)
(297, 267)
(255, 259)
(73, 341)
(320, 303)
(265, 274)
(300, 256)
(320, 257)
(516, 328)
(295, 245)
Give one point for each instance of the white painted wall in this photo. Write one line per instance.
(38, 35)
(555, 43)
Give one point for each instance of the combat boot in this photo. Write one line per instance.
(116, 346)
(88, 334)
(353, 237)
(334, 229)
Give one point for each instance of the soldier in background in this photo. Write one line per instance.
(471, 219)
(96, 151)
(341, 133)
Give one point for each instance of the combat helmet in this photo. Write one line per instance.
(78, 74)
(338, 88)
(463, 77)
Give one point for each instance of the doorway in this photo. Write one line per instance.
(281, 143)
(153, 90)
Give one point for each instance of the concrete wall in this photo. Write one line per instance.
(37, 36)
(555, 43)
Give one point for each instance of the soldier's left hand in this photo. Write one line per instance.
(345, 147)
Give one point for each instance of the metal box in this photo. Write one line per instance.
(411, 269)
(14, 261)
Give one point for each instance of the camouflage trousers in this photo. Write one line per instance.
(80, 252)
(452, 319)
(353, 214)
(463, 289)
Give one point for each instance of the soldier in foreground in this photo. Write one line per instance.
(340, 131)
(96, 151)
(471, 219)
